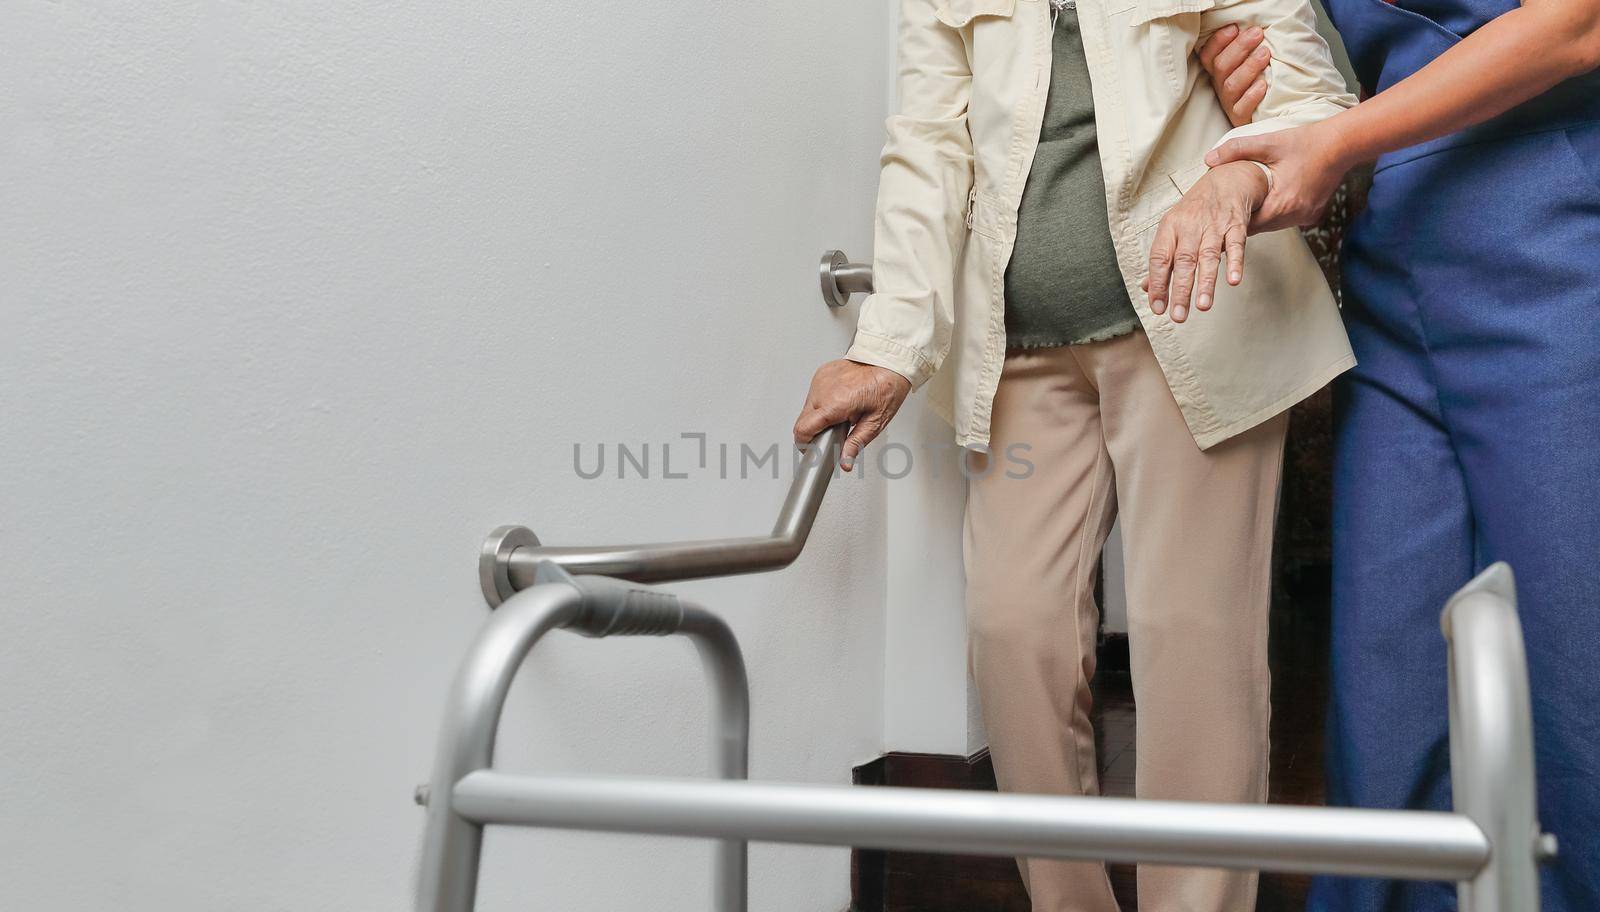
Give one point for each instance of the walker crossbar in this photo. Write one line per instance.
(1490, 846)
(1419, 844)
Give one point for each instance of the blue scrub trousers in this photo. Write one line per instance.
(1470, 433)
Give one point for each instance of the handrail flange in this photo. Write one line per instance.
(494, 562)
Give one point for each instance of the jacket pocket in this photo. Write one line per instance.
(1151, 10)
(1150, 207)
(986, 215)
(957, 13)
(1188, 177)
(1165, 190)
(1171, 29)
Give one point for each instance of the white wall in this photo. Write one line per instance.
(926, 686)
(1114, 607)
(297, 301)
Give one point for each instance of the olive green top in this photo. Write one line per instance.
(1062, 284)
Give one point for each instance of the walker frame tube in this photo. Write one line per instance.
(1491, 742)
(1406, 844)
(595, 607)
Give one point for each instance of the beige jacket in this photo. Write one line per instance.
(973, 79)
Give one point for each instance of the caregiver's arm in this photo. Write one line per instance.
(1513, 58)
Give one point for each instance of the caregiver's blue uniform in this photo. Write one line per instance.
(1470, 433)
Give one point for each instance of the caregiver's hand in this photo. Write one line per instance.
(1237, 63)
(1306, 168)
(865, 395)
(1210, 220)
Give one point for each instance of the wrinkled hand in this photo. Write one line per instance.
(1237, 63)
(1211, 220)
(1306, 169)
(865, 395)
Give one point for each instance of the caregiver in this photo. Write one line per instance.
(1470, 432)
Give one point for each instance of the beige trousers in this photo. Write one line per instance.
(1104, 437)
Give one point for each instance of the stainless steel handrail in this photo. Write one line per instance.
(512, 554)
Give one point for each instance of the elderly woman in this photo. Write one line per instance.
(1042, 156)
(1468, 434)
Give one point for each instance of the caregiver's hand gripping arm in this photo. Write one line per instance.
(1512, 59)
(1237, 60)
(905, 326)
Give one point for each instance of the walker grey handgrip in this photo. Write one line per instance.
(613, 607)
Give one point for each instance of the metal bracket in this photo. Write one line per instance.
(842, 278)
(494, 561)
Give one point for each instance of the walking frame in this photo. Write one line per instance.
(1490, 845)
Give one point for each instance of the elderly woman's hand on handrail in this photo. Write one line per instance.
(865, 395)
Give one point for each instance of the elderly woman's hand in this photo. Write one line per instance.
(1209, 222)
(865, 395)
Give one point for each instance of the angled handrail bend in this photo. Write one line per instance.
(512, 554)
